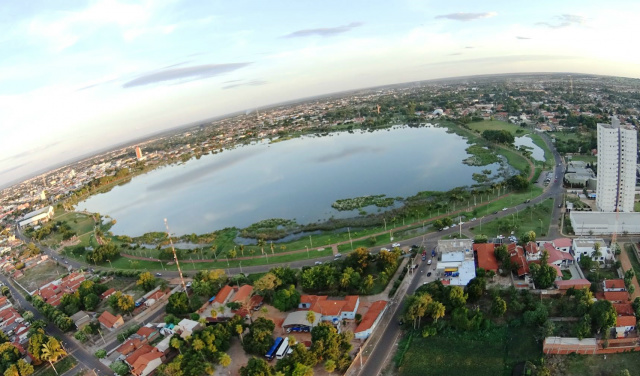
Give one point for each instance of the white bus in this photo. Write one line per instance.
(282, 350)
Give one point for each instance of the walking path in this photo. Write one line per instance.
(626, 265)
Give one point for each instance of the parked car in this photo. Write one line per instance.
(429, 262)
(158, 274)
(337, 255)
(504, 209)
(473, 219)
(428, 274)
(527, 201)
(318, 262)
(395, 245)
(384, 249)
(445, 228)
(424, 257)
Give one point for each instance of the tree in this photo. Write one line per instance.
(455, 297)
(476, 288)
(80, 336)
(52, 351)
(438, 225)
(368, 282)
(225, 360)
(603, 315)
(311, 317)
(583, 328)
(101, 354)
(266, 284)
(24, 368)
(302, 370)
(119, 367)
(176, 343)
(498, 306)
(358, 259)
(436, 310)
(257, 367)
(126, 303)
(501, 253)
(147, 281)
(91, 301)
(543, 274)
(330, 366)
(178, 303)
(260, 337)
(286, 299)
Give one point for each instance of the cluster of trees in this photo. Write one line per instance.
(353, 275)
(543, 274)
(200, 353)
(499, 136)
(147, 281)
(260, 337)
(329, 348)
(11, 363)
(44, 348)
(56, 316)
(439, 224)
(102, 253)
(180, 304)
(86, 297)
(518, 182)
(279, 287)
(207, 283)
(120, 302)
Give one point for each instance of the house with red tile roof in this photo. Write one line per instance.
(331, 309)
(370, 319)
(130, 345)
(557, 257)
(517, 257)
(110, 321)
(562, 244)
(222, 295)
(532, 252)
(613, 285)
(107, 293)
(243, 294)
(625, 325)
(485, 256)
(623, 309)
(147, 363)
(52, 292)
(144, 349)
(617, 296)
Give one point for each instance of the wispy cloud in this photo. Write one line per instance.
(503, 59)
(455, 54)
(469, 47)
(564, 20)
(324, 31)
(461, 16)
(196, 72)
(522, 38)
(249, 83)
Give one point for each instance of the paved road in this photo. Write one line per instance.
(386, 345)
(88, 360)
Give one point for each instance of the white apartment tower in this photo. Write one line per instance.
(617, 150)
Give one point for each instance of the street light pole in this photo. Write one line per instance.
(241, 267)
(110, 265)
(350, 241)
(385, 223)
(540, 226)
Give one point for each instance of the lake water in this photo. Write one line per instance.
(295, 179)
(536, 151)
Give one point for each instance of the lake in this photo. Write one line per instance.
(536, 151)
(295, 179)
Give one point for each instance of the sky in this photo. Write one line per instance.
(79, 76)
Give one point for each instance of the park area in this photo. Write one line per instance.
(495, 352)
(525, 220)
(602, 365)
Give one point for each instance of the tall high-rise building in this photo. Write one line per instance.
(617, 150)
(138, 153)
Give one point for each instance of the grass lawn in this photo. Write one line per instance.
(633, 258)
(120, 283)
(495, 125)
(636, 206)
(41, 274)
(494, 353)
(579, 365)
(585, 158)
(62, 366)
(566, 136)
(526, 220)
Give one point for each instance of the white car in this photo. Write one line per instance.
(504, 209)
(384, 249)
(395, 245)
(454, 225)
(318, 262)
(445, 228)
(429, 262)
(473, 219)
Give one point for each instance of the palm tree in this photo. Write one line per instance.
(242, 249)
(52, 351)
(240, 330)
(225, 360)
(176, 344)
(597, 253)
(261, 244)
(311, 317)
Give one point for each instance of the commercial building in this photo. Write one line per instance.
(370, 320)
(38, 216)
(598, 223)
(457, 265)
(617, 154)
(586, 248)
(138, 153)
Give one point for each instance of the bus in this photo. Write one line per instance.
(272, 351)
(282, 351)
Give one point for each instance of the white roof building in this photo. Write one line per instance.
(583, 247)
(602, 223)
(35, 217)
(456, 265)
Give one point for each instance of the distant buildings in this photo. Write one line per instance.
(138, 153)
(617, 150)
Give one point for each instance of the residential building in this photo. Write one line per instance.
(564, 285)
(485, 256)
(370, 320)
(110, 321)
(583, 247)
(613, 285)
(81, 319)
(617, 154)
(147, 363)
(331, 309)
(186, 327)
(625, 325)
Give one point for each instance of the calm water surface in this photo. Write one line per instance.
(536, 151)
(296, 179)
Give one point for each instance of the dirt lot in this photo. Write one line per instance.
(41, 274)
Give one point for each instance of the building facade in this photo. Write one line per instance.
(617, 149)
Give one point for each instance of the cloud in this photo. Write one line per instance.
(347, 153)
(503, 59)
(249, 83)
(12, 168)
(469, 47)
(523, 38)
(323, 32)
(196, 72)
(467, 16)
(564, 20)
(455, 54)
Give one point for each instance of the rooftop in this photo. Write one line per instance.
(486, 256)
(108, 320)
(243, 293)
(371, 316)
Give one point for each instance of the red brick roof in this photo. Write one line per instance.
(108, 320)
(517, 258)
(326, 307)
(614, 284)
(129, 346)
(243, 293)
(143, 361)
(144, 349)
(223, 294)
(531, 248)
(145, 331)
(562, 242)
(617, 296)
(624, 309)
(351, 302)
(371, 315)
(625, 321)
(573, 283)
(107, 293)
(486, 256)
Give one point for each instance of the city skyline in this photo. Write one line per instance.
(82, 77)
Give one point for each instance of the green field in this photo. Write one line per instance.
(62, 366)
(579, 365)
(585, 158)
(478, 354)
(526, 220)
(495, 125)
